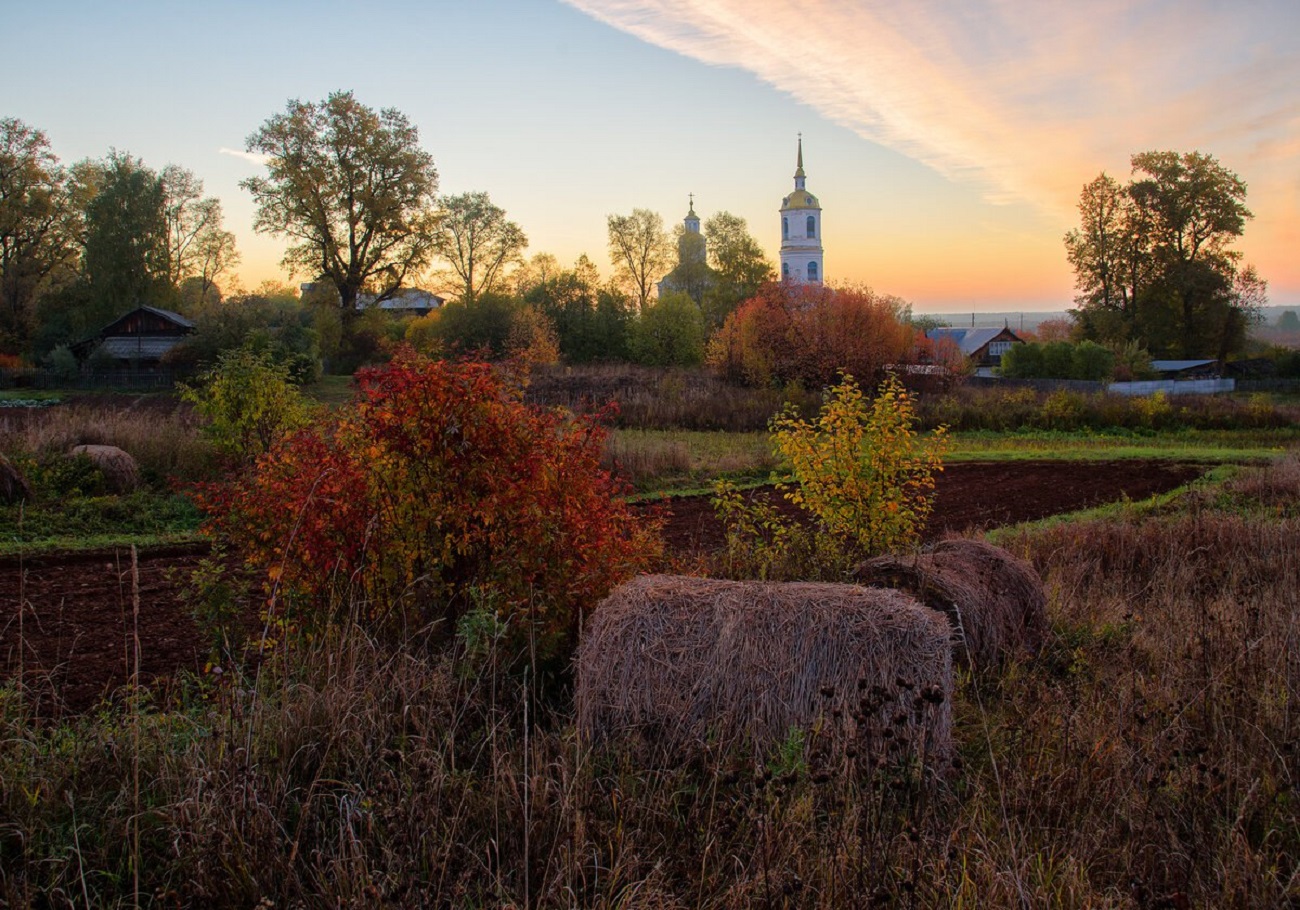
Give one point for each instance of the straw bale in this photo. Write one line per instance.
(13, 486)
(118, 467)
(677, 664)
(994, 600)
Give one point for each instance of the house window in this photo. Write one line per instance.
(785, 228)
(812, 271)
(998, 348)
(812, 226)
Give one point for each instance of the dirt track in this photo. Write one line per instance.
(73, 640)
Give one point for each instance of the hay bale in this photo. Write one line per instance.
(13, 485)
(994, 600)
(118, 467)
(679, 663)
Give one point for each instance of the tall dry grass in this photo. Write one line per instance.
(162, 436)
(1147, 758)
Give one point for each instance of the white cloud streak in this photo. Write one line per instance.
(1028, 100)
(254, 157)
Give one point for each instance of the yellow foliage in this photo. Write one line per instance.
(861, 467)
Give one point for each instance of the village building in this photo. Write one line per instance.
(137, 341)
(801, 232)
(983, 347)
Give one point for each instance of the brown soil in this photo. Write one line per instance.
(73, 640)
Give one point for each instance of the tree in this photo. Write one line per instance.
(198, 246)
(738, 263)
(34, 246)
(351, 189)
(670, 332)
(810, 333)
(127, 257)
(640, 251)
(475, 238)
(1154, 261)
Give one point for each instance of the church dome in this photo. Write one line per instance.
(800, 199)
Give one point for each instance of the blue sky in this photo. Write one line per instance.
(947, 148)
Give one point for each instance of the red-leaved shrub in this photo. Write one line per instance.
(437, 491)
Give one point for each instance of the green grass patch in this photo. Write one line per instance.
(1205, 446)
(330, 390)
(675, 461)
(91, 522)
(35, 398)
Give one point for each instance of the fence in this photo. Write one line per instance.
(125, 380)
(1174, 387)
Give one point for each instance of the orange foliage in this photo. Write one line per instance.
(436, 491)
(810, 333)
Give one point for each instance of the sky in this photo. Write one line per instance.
(946, 142)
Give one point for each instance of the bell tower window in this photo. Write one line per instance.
(785, 228)
(812, 271)
(812, 226)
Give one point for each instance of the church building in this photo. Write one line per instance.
(801, 232)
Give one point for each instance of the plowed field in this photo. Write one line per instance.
(69, 623)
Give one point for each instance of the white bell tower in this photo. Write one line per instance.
(801, 232)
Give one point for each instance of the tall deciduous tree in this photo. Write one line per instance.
(198, 245)
(351, 189)
(738, 263)
(477, 241)
(34, 243)
(640, 251)
(127, 256)
(1154, 260)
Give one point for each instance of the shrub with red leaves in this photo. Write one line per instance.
(438, 489)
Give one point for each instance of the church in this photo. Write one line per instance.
(801, 232)
(801, 242)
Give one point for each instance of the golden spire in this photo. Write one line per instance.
(799, 169)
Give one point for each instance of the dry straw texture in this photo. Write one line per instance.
(994, 600)
(118, 467)
(681, 662)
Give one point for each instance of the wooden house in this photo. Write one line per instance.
(138, 340)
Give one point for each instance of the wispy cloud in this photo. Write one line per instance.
(254, 157)
(1028, 100)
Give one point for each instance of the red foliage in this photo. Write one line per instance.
(811, 333)
(437, 488)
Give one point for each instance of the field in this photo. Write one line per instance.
(1145, 758)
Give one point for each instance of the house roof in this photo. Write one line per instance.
(1178, 366)
(968, 340)
(175, 318)
(138, 347)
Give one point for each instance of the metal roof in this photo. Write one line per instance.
(1177, 366)
(138, 347)
(968, 340)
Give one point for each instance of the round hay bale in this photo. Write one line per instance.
(994, 600)
(13, 485)
(683, 663)
(118, 467)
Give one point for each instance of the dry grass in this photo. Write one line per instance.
(682, 663)
(1147, 758)
(993, 600)
(162, 436)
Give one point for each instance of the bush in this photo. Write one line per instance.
(810, 333)
(250, 401)
(437, 490)
(670, 332)
(861, 468)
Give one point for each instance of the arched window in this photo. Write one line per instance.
(812, 271)
(785, 270)
(785, 228)
(812, 226)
